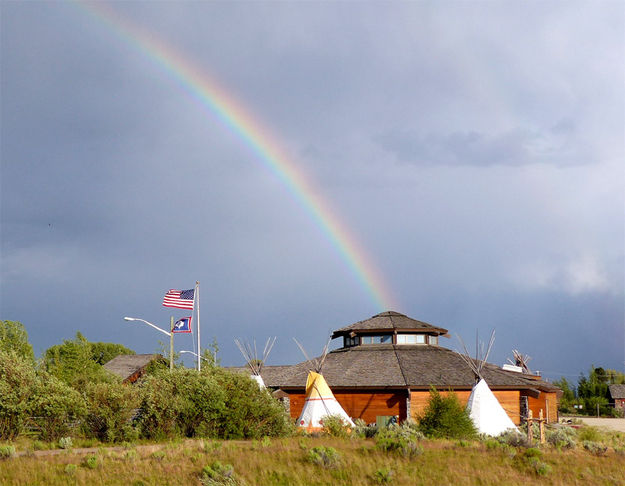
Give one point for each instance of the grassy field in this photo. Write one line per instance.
(288, 462)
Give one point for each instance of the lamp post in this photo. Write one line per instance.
(170, 334)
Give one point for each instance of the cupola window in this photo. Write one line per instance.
(349, 341)
(411, 339)
(376, 339)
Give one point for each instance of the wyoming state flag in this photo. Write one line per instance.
(182, 325)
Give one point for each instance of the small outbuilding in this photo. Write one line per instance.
(131, 367)
(617, 393)
(388, 364)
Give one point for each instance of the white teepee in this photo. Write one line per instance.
(488, 416)
(253, 361)
(320, 401)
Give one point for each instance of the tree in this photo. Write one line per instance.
(102, 353)
(593, 391)
(17, 384)
(444, 417)
(13, 337)
(568, 395)
(76, 363)
(55, 407)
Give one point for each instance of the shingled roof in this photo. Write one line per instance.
(130, 367)
(386, 366)
(617, 391)
(389, 321)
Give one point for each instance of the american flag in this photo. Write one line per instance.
(180, 299)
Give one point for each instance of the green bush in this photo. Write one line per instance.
(335, 426)
(362, 430)
(539, 467)
(178, 403)
(492, 444)
(513, 438)
(70, 469)
(14, 339)
(158, 455)
(56, 407)
(17, 384)
(66, 443)
(73, 362)
(589, 433)
(535, 429)
(214, 404)
(444, 417)
(562, 438)
(90, 462)
(6, 451)
(399, 439)
(160, 406)
(533, 452)
(324, 456)
(595, 448)
(217, 474)
(110, 409)
(251, 412)
(383, 476)
(102, 353)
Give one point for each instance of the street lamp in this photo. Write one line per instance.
(170, 334)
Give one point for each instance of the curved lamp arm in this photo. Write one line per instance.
(148, 323)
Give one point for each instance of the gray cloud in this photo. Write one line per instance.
(475, 153)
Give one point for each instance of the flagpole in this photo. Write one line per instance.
(197, 299)
(171, 344)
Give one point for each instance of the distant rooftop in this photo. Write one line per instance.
(130, 367)
(617, 391)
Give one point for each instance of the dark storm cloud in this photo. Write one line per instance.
(475, 153)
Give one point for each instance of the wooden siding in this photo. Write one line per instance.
(509, 400)
(548, 402)
(364, 405)
(369, 405)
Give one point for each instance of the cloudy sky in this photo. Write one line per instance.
(474, 151)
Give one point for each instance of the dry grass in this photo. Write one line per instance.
(284, 462)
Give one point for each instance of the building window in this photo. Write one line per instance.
(433, 340)
(376, 339)
(411, 339)
(349, 341)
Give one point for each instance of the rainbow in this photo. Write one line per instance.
(240, 122)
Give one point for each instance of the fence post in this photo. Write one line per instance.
(541, 425)
(530, 432)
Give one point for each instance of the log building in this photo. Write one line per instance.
(388, 364)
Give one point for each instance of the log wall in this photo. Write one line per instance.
(509, 400)
(368, 405)
(364, 405)
(548, 402)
